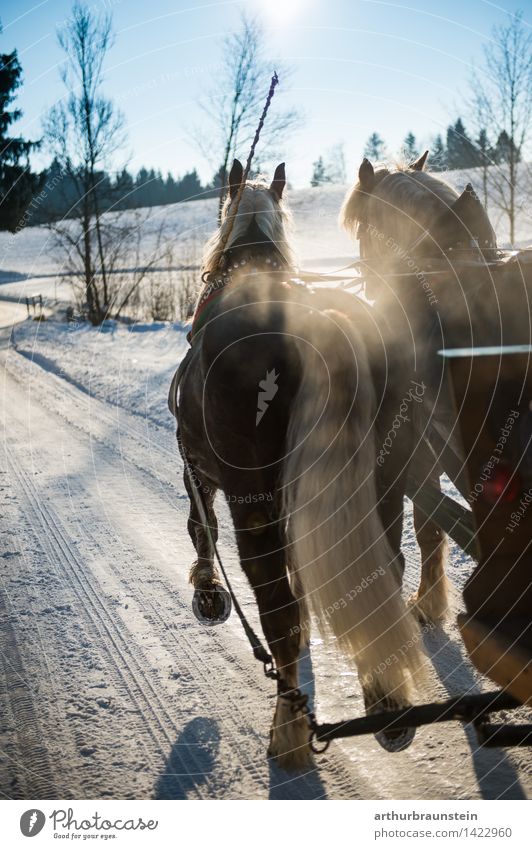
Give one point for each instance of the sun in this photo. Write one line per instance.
(278, 12)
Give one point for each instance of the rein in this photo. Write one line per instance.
(216, 282)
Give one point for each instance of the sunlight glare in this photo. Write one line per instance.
(279, 12)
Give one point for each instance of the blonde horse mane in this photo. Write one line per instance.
(419, 196)
(271, 215)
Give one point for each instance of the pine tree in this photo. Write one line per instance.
(335, 164)
(410, 150)
(170, 194)
(460, 149)
(438, 155)
(190, 186)
(505, 149)
(17, 182)
(500, 99)
(124, 188)
(375, 147)
(484, 152)
(84, 131)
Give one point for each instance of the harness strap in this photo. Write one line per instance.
(202, 310)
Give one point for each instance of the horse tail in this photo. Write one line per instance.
(337, 542)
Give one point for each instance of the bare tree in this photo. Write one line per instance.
(132, 256)
(134, 252)
(83, 132)
(233, 106)
(501, 100)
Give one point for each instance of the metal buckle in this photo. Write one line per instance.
(312, 743)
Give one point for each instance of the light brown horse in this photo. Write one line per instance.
(407, 221)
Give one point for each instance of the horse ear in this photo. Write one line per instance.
(366, 176)
(235, 178)
(279, 181)
(419, 165)
(467, 200)
(470, 210)
(471, 192)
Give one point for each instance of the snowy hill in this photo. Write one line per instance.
(319, 242)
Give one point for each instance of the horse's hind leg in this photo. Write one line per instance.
(430, 602)
(261, 547)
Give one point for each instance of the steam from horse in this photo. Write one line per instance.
(410, 223)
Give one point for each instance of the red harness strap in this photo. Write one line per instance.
(212, 291)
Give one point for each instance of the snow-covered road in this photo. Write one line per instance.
(108, 685)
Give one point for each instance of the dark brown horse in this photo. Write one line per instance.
(412, 226)
(282, 406)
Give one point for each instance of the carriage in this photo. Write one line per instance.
(334, 368)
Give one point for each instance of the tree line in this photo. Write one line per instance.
(58, 194)
(459, 149)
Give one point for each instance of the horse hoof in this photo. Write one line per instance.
(417, 611)
(391, 739)
(396, 740)
(426, 611)
(292, 755)
(211, 604)
(290, 738)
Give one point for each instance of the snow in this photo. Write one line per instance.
(110, 687)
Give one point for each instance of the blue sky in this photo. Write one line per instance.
(359, 66)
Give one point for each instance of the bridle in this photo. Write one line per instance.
(483, 249)
(261, 258)
(466, 246)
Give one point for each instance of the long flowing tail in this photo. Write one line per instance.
(337, 542)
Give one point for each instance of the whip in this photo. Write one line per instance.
(234, 211)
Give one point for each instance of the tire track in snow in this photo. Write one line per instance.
(126, 668)
(34, 777)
